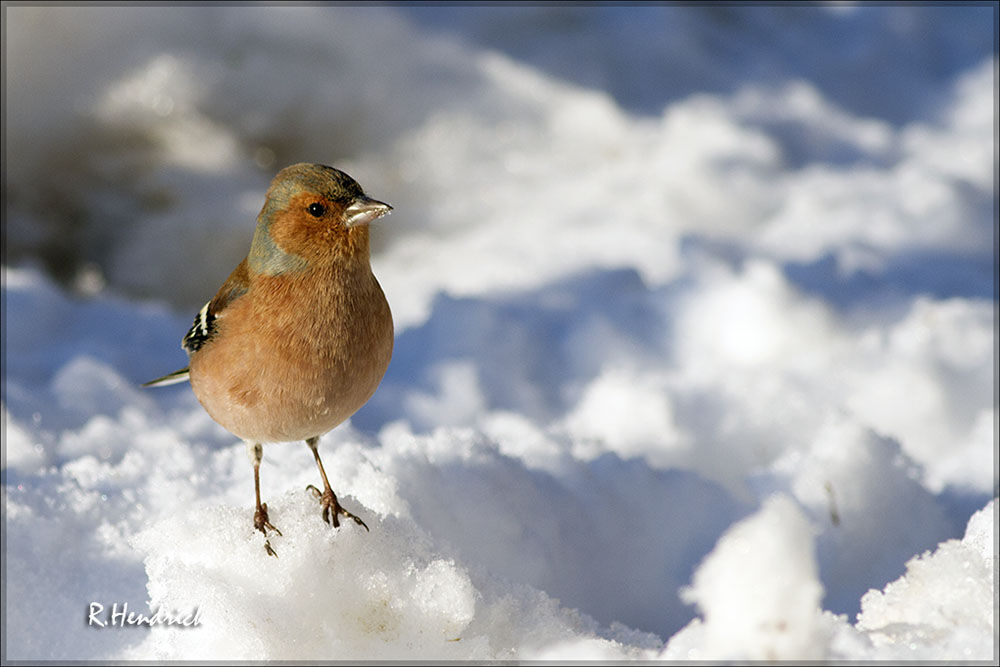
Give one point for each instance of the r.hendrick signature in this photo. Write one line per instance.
(120, 618)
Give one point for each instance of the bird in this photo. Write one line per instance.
(300, 335)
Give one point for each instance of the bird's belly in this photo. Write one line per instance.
(291, 396)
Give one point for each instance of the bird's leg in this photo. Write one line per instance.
(327, 499)
(260, 520)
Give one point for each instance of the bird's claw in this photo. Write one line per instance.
(332, 508)
(261, 523)
(330, 516)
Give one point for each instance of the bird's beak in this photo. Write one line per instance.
(364, 210)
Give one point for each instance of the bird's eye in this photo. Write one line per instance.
(316, 209)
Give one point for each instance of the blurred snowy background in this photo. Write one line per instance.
(695, 312)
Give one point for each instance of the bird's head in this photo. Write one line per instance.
(312, 214)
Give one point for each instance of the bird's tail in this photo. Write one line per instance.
(169, 378)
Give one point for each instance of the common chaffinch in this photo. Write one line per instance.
(299, 336)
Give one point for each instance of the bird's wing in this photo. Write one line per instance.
(204, 323)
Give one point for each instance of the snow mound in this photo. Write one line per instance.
(759, 591)
(944, 607)
(340, 594)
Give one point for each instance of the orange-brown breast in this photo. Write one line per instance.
(297, 354)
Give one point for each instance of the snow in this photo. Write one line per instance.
(760, 594)
(696, 333)
(759, 591)
(944, 606)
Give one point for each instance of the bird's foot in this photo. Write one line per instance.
(261, 523)
(332, 508)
